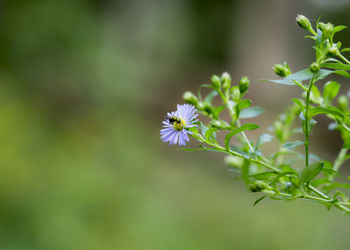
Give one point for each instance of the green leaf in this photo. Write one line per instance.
(319, 182)
(218, 110)
(336, 185)
(298, 102)
(323, 73)
(251, 112)
(339, 28)
(260, 199)
(203, 129)
(281, 81)
(301, 75)
(243, 104)
(345, 50)
(331, 59)
(209, 98)
(263, 176)
(201, 149)
(210, 133)
(342, 73)
(327, 111)
(291, 145)
(347, 143)
(263, 139)
(311, 172)
(330, 91)
(247, 126)
(336, 66)
(315, 95)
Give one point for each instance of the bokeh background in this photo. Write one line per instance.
(84, 85)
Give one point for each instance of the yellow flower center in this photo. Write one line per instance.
(179, 125)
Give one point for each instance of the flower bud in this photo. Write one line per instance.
(235, 93)
(278, 126)
(327, 29)
(219, 124)
(243, 84)
(200, 106)
(314, 67)
(332, 51)
(208, 108)
(234, 161)
(281, 70)
(321, 25)
(226, 81)
(343, 103)
(304, 23)
(256, 187)
(215, 80)
(189, 97)
(339, 45)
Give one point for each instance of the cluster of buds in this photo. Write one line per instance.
(221, 85)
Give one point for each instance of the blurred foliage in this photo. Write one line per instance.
(83, 87)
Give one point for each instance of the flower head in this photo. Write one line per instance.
(175, 124)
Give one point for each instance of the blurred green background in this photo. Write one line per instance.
(84, 85)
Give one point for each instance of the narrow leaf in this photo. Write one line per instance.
(247, 126)
(311, 172)
(258, 200)
(336, 66)
(330, 91)
(328, 111)
(263, 139)
(210, 133)
(339, 28)
(209, 98)
(347, 143)
(251, 112)
(291, 145)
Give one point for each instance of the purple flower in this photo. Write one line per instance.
(175, 123)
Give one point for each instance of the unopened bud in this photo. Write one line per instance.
(278, 126)
(219, 124)
(256, 187)
(226, 81)
(200, 106)
(321, 26)
(332, 51)
(343, 102)
(215, 80)
(314, 67)
(243, 84)
(234, 161)
(235, 93)
(281, 70)
(189, 97)
(208, 108)
(327, 30)
(304, 23)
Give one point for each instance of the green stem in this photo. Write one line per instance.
(245, 137)
(343, 58)
(322, 197)
(226, 100)
(307, 121)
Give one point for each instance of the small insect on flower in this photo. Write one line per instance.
(175, 123)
